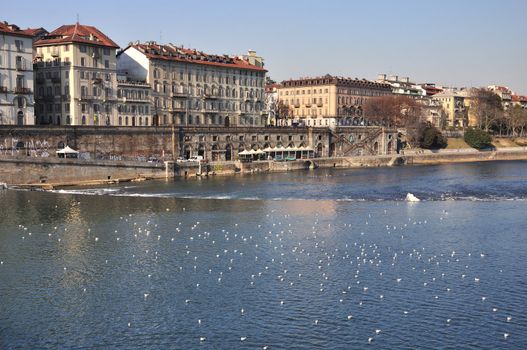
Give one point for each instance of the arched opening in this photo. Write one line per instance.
(390, 147)
(133, 121)
(320, 149)
(60, 145)
(20, 118)
(187, 152)
(376, 148)
(215, 153)
(228, 152)
(201, 150)
(227, 122)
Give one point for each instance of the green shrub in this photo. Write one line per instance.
(477, 138)
(429, 137)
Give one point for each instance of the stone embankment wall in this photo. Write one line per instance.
(72, 171)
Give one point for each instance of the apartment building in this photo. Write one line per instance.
(16, 76)
(190, 87)
(76, 80)
(329, 100)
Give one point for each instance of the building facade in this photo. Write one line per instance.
(455, 108)
(402, 85)
(134, 107)
(329, 101)
(16, 76)
(76, 82)
(190, 87)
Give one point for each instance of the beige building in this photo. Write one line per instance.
(190, 87)
(329, 100)
(16, 76)
(455, 108)
(76, 80)
(134, 106)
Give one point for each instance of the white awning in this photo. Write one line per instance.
(67, 149)
(244, 153)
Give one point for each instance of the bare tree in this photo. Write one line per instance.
(396, 111)
(487, 108)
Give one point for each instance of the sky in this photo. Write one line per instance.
(447, 42)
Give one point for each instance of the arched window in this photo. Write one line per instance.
(83, 122)
(120, 120)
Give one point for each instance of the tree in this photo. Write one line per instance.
(430, 137)
(477, 138)
(394, 111)
(282, 111)
(486, 107)
(517, 121)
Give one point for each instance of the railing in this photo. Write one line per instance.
(22, 90)
(21, 65)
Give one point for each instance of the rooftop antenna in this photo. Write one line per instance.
(77, 18)
(160, 37)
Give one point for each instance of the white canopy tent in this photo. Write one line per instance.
(67, 152)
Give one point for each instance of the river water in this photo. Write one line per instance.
(326, 259)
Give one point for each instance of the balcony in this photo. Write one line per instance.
(297, 105)
(320, 104)
(97, 81)
(210, 96)
(40, 80)
(21, 66)
(55, 80)
(22, 90)
(88, 97)
(178, 95)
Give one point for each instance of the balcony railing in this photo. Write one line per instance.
(21, 65)
(22, 90)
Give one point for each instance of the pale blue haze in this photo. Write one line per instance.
(450, 42)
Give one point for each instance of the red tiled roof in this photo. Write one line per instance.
(76, 33)
(181, 54)
(36, 31)
(13, 30)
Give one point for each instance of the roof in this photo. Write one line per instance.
(334, 80)
(36, 31)
(13, 29)
(77, 33)
(170, 52)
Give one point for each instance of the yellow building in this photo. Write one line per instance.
(76, 82)
(329, 100)
(453, 103)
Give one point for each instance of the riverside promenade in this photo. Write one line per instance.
(49, 173)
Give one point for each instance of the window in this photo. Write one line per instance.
(82, 48)
(106, 51)
(19, 45)
(83, 62)
(106, 64)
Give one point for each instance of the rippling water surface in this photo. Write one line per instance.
(324, 259)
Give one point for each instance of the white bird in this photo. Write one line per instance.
(505, 335)
(243, 338)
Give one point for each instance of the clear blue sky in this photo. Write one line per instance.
(450, 42)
